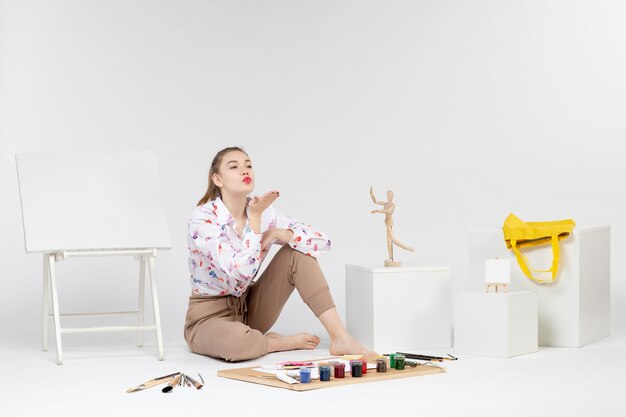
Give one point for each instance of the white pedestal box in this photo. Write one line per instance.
(402, 308)
(498, 325)
(574, 310)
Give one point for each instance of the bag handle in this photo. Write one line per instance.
(524, 264)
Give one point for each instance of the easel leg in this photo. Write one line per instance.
(55, 309)
(155, 306)
(142, 287)
(46, 300)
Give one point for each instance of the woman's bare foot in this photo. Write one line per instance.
(278, 342)
(341, 342)
(347, 345)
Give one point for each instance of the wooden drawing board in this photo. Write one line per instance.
(91, 200)
(250, 375)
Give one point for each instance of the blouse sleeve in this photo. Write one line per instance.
(306, 238)
(240, 265)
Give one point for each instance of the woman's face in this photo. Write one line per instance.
(235, 173)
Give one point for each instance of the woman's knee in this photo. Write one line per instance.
(249, 345)
(231, 341)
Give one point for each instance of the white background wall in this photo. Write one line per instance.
(468, 110)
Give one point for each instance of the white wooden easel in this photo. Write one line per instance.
(503, 286)
(50, 294)
(120, 177)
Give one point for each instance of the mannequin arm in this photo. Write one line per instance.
(374, 198)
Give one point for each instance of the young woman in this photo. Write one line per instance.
(229, 315)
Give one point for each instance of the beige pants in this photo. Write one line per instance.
(233, 328)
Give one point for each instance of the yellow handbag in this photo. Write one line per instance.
(519, 234)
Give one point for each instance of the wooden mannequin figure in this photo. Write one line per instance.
(388, 208)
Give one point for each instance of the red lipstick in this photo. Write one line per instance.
(247, 180)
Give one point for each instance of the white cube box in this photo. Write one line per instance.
(575, 309)
(399, 308)
(497, 325)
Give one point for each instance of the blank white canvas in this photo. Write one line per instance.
(497, 271)
(91, 200)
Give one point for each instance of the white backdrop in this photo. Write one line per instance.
(467, 110)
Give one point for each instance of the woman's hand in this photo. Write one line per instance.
(256, 207)
(258, 204)
(270, 235)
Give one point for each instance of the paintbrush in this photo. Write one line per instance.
(193, 381)
(173, 382)
(282, 376)
(153, 382)
(428, 357)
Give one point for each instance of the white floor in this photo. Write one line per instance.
(93, 380)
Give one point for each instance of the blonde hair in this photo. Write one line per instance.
(213, 190)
